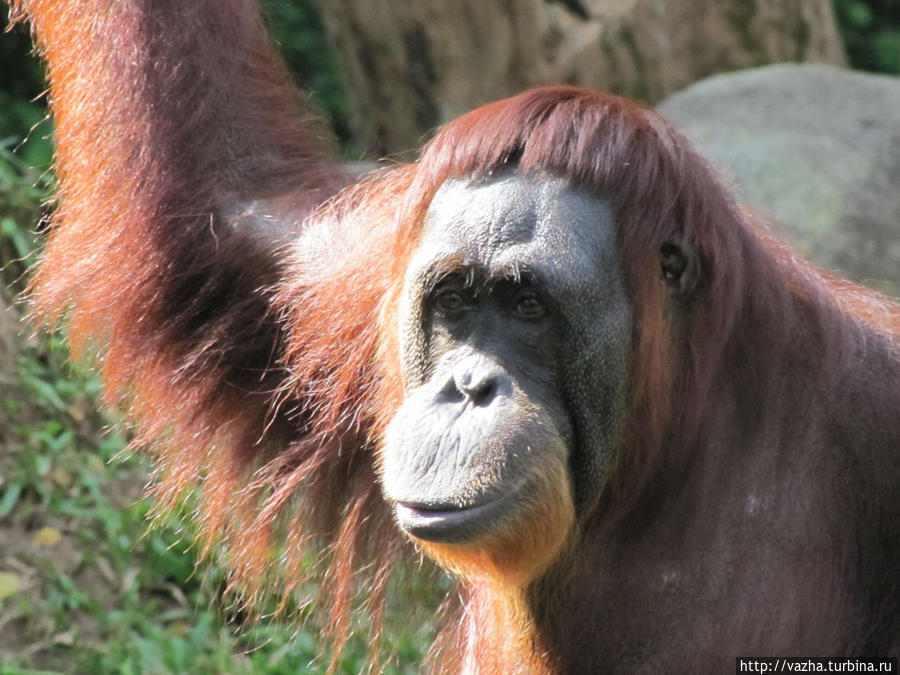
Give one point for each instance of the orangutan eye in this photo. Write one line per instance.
(449, 301)
(529, 306)
(451, 296)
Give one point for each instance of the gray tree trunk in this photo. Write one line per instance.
(411, 65)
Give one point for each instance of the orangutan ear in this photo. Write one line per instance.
(679, 266)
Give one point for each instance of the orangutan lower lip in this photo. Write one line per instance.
(448, 524)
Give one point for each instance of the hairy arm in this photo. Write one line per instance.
(185, 161)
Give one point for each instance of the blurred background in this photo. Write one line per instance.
(797, 103)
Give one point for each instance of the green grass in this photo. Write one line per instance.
(85, 585)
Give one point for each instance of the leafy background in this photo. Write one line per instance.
(84, 586)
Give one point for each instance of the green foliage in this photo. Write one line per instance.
(21, 74)
(871, 31)
(22, 189)
(24, 127)
(21, 81)
(301, 37)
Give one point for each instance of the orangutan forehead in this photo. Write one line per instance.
(516, 220)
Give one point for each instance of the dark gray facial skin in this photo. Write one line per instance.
(514, 342)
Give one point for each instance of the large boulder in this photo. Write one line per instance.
(816, 149)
